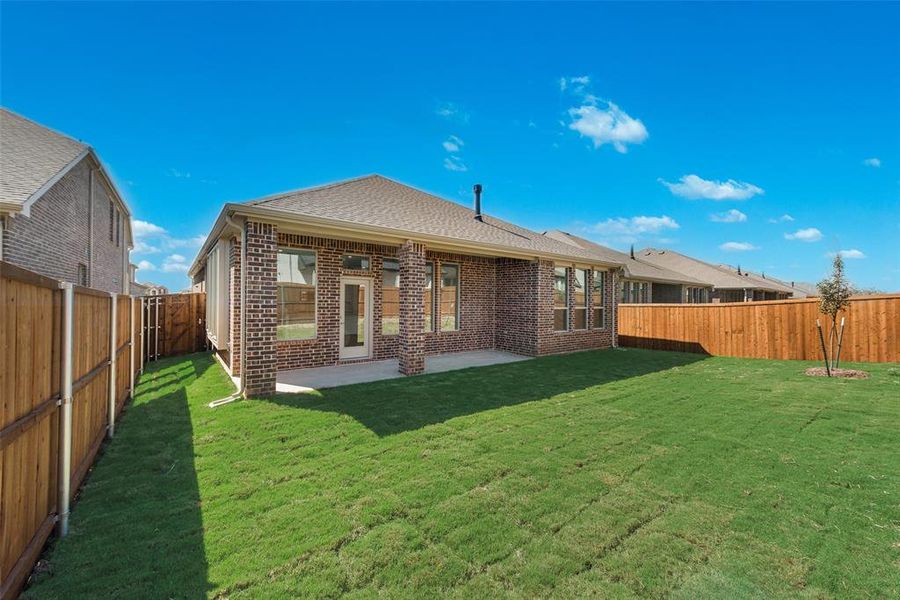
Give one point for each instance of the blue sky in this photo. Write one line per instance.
(761, 135)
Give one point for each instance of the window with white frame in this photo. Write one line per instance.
(598, 299)
(580, 300)
(390, 296)
(428, 296)
(449, 304)
(560, 298)
(296, 294)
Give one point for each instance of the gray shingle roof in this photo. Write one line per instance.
(766, 282)
(719, 276)
(30, 156)
(376, 201)
(634, 267)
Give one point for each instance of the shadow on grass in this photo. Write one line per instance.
(140, 506)
(397, 405)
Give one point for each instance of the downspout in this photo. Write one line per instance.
(615, 312)
(243, 353)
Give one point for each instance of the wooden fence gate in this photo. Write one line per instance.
(174, 324)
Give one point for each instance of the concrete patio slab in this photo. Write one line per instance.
(307, 380)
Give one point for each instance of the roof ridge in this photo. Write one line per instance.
(303, 190)
(44, 127)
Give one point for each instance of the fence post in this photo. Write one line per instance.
(141, 357)
(156, 330)
(131, 348)
(113, 310)
(65, 425)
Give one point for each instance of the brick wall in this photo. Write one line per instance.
(55, 238)
(411, 343)
(551, 341)
(516, 306)
(261, 269)
(234, 313)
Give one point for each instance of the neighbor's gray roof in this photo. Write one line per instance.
(634, 267)
(766, 282)
(30, 156)
(719, 277)
(379, 202)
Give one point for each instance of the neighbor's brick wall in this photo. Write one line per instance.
(55, 238)
(234, 312)
(260, 304)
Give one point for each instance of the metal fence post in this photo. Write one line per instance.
(113, 311)
(65, 425)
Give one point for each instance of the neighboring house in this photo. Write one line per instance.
(148, 289)
(781, 290)
(370, 268)
(728, 284)
(644, 282)
(60, 214)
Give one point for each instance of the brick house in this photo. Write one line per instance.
(643, 282)
(60, 213)
(370, 269)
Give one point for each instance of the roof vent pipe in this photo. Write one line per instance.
(632, 251)
(477, 190)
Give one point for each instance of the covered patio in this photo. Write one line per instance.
(307, 380)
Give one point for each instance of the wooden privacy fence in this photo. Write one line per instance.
(784, 329)
(68, 359)
(174, 324)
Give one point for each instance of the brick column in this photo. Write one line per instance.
(262, 269)
(412, 312)
(234, 312)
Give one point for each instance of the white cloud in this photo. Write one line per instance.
(609, 125)
(450, 110)
(695, 188)
(453, 163)
(634, 226)
(175, 263)
(146, 265)
(731, 216)
(853, 253)
(872, 162)
(737, 246)
(453, 144)
(576, 83)
(145, 228)
(810, 234)
(785, 218)
(151, 238)
(142, 247)
(173, 172)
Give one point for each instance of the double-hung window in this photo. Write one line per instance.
(296, 294)
(580, 300)
(598, 299)
(428, 296)
(449, 297)
(560, 298)
(390, 297)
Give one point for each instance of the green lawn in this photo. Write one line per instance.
(609, 473)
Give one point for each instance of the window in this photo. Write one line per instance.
(581, 298)
(449, 297)
(296, 295)
(645, 292)
(118, 227)
(428, 296)
(390, 297)
(560, 299)
(82, 275)
(112, 209)
(355, 262)
(598, 299)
